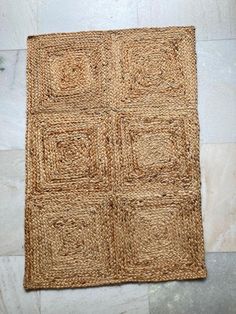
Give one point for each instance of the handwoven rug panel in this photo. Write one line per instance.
(112, 158)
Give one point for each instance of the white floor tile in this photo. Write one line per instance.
(13, 99)
(73, 15)
(12, 202)
(217, 90)
(129, 299)
(213, 19)
(13, 298)
(214, 295)
(218, 162)
(18, 19)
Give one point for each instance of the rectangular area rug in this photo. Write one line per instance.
(112, 161)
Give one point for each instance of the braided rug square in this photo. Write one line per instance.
(112, 159)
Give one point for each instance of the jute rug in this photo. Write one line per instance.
(113, 180)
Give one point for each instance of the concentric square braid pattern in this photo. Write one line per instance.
(113, 182)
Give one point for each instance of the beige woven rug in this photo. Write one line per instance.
(113, 180)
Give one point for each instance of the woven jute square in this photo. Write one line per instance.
(112, 159)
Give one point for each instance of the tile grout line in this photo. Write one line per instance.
(12, 149)
(3, 256)
(40, 302)
(216, 39)
(215, 143)
(149, 300)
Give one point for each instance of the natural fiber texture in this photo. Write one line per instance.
(113, 181)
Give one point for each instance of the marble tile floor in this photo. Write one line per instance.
(215, 295)
(215, 22)
(214, 19)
